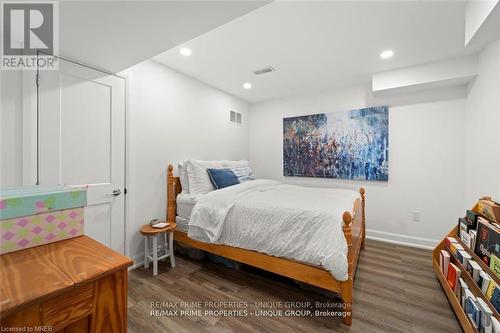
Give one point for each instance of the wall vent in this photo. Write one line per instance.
(264, 70)
(235, 117)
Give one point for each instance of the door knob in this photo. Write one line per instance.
(115, 193)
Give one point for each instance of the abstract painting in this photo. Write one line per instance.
(345, 145)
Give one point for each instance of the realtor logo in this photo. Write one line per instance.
(27, 28)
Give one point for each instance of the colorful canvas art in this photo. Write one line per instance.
(345, 145)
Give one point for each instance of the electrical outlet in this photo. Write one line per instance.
(416, 216)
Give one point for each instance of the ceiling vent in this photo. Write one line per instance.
(264, 70)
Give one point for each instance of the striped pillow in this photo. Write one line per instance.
(244, 174)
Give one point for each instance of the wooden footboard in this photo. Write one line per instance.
(354, 231)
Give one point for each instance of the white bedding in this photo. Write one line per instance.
(300, 223)
(182, 223)
(185, 204)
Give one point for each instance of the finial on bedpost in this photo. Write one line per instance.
(347, 218)
(170, 170)
(362, 192)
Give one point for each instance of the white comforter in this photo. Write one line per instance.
(300, 223)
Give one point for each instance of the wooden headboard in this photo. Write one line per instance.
(173, 188)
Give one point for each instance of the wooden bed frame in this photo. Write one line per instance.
(354, 231)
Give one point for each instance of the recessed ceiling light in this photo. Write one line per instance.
(247, 85)
(185, 51)
(387, 54)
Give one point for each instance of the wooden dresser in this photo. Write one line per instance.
(74, 285)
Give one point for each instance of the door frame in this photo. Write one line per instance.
(125, 129)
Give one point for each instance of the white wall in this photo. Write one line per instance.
(425, 157)
(172, 117)
(476, 13)
(482, 130)
(11, 126)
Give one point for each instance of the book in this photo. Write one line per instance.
(459, 255)
(472, 237)
(491, 289)
(444, 261)
(463, 287)
(472, 215)
(495, 265)
(463, 257)
(465, 237)
(489, 208)
(467, 294)
(487, 241)
(453, 276)
(484, 281)
(474, 269)
(455, 247)
(482, 219)
(472, 310)
(495, 299)
(464, 226)
(449, 240)
(485, 315)
(495, 325)
(492, 223)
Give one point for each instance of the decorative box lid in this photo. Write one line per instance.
(25, 201)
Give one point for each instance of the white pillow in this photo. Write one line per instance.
(199, 181)
(241, 169)
(235, 164)
(183, 177)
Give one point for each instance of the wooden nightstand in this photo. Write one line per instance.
(167, 246)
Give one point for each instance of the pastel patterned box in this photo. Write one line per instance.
(38, 215)
(28, 231)
(24, 201)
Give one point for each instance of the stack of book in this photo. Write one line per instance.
(482, 234)
(480, 315)
(488, 241)
(476, 309)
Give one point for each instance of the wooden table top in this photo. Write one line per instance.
(149, 230)
(40, 272)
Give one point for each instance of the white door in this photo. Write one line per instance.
(81, 114)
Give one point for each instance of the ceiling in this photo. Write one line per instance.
(115, 35)
(321, 45)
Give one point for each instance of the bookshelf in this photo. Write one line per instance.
(475, 290)
(452, 298)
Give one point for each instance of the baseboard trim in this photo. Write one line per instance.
(138, 261)
(393, 238)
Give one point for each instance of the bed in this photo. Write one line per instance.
(352, 228)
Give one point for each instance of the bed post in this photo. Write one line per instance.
(363, 218)
(171, 204)
(347, 286)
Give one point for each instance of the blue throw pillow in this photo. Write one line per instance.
(222, 177)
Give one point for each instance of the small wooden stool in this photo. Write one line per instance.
(149, 231)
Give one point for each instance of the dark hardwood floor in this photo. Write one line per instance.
(395, 291)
